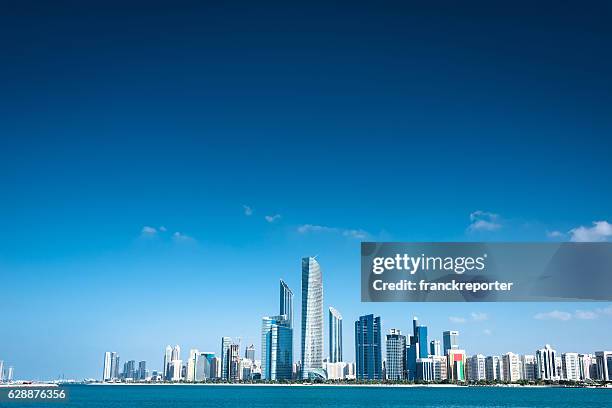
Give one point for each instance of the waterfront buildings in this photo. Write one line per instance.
(493, 368)
(276, 348)
(476, 368)
(106, 373)
(512, 367)
(450, 340)
(528, 367)
(546, 367)
(571, 367)
(114, 365)
(142, 370)
(418, 347)
(456, 364)
(604, 365)
(335, 336)
(225, 344)
(368, 352)
(312, 318)
(396, 355)
(167, 360)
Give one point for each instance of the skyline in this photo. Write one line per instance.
(168, 171)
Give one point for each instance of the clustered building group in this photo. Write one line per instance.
(408, 357)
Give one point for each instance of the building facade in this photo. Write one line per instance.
(368, 352)
(312, 318)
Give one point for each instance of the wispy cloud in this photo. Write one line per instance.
(487, 332)
(484, 221)
(554, 315)
(585, 315)
(180, 237)
(479, 317)
(272, 218)
(148, 231)
(600, 231)
(248, 211)
(349, 233)
(456, 319)
(163, 229)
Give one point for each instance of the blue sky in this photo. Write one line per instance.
(390, 121)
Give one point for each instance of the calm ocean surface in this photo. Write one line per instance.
(302, 397)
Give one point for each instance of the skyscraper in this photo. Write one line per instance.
(604, 365)
(335, 336)
(546, 367)
(368, 353)
(476, 368)
(106, 372)
(142, 370)
(312, 317)
(176, 353)
(276, 348)
(450, 340)
(286, 302)
(249, 352)
(114, 365)
(511, 365)
(434, 348)
(1, 371)
(233, 362)
(167, 360)
(418, 347)
(225, 344)
(571, 367)
(396, 355)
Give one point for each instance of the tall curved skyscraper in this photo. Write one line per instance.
(312, 317)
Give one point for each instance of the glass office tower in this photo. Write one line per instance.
(368, 353)
(335, 336)
(312, 317)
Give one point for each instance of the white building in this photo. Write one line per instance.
(604, 365)
(493, 369)
(312, 317)
(528, 367)
(512, 367)
(439, 368)
(476, 370)
(546, 367)
(106, 373)
(571, 366)
(586, 363)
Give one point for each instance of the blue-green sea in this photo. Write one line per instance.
(313, 396)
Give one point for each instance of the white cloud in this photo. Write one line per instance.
(272, 218)
(487, 332)
(455, 319)
(180, 237)
(554, 315)
(585, 315)
(484, 221)
(599, 232)
(148, 231)
(248, 211)
(555, 234)
(479, 317)
(349, 233)
(605, 311)
(163, 229)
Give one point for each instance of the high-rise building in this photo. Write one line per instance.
(225, 345)
(456, 364)
(418, 347)
(286, 302)
(106, 372)
(476, 368)
(546, 367)
(1, 371)
(586, 362)
(129, 370)
(167, 360)
(434, 348)
(249, 352)
(439, 368)
(176, 370)
(511, 365)
(192, 365)
(368, 351)
(276, 348)
(528, 367)
(176, 352)
(215, 367)
(571, 367)
(493, 369)
(142, 370)
(396, 355)
(10, 372)
(335, 336)
(114, 365)
(604, 365)
(312, 318)
(233, 360)
(450, 340)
